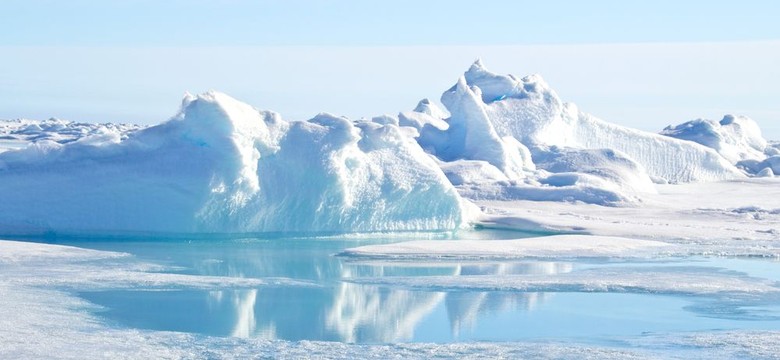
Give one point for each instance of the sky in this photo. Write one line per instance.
(640, 64)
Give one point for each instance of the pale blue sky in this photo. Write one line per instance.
(643, 64)
(397, 22)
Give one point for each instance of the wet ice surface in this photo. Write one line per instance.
(253, 297)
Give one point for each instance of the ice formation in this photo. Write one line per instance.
(506, 138)
(223, 166)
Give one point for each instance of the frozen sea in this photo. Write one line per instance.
(279, 297)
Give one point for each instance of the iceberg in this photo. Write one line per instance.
(221, 166)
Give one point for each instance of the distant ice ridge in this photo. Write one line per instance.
(16, 134)
(512, 138)
(222, 166)
(737, 138)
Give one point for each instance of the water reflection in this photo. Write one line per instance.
(334, 311)
(464, 309)
(243, 303)
(363, 313)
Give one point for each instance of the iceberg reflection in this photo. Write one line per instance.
(365, 313)
(368, 313)
(332, 309)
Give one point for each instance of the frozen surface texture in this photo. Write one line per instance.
(223, 166)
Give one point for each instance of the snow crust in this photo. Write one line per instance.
(222, 166)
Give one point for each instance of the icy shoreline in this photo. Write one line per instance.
(42, 318)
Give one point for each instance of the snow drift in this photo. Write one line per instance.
(223, 166)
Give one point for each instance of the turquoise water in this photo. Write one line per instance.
(337, 310)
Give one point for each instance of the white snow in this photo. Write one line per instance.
(558, 246)
(223, 166)
(721, 218)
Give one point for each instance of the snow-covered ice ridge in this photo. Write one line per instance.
(222, 166)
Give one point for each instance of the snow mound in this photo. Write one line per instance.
(622, 174)
(736, 138)
(222, 166)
